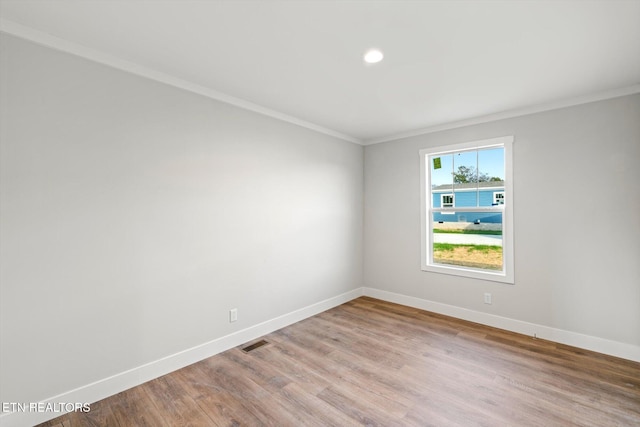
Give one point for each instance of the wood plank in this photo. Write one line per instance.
(133, 408)
(172, 401)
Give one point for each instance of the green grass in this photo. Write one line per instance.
(490, 232)
(451, 246)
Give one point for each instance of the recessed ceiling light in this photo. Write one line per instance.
(373, 56)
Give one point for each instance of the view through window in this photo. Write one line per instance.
(466, 207)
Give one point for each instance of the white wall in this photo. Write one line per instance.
(135, 215)
(577, 222)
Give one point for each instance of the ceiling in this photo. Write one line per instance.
(445, 61)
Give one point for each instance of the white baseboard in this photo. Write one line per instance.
(136, 376)
(587, 342)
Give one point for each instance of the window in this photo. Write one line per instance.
(446, 201)
(467, 209)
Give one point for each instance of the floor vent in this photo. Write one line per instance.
(251, 347)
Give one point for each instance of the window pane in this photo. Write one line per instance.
(465, 178)
(441, 171)
(469, 239)
(465, 167)
(491, 164)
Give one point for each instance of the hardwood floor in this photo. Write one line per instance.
(369, 362)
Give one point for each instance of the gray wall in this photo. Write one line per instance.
(577, 221)
(135, 215)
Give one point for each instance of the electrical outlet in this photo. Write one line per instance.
(233, 315)
(487, 298)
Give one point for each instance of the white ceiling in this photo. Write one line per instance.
(445, 61)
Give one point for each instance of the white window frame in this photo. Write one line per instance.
(427, 209)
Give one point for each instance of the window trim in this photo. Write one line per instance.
(426, 208)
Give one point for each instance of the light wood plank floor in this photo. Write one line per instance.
(369, 362)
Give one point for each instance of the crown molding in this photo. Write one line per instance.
(538, 108)
(57, 43)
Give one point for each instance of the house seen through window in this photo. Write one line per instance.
(467, 209)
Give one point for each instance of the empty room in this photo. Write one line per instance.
(319, 213)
